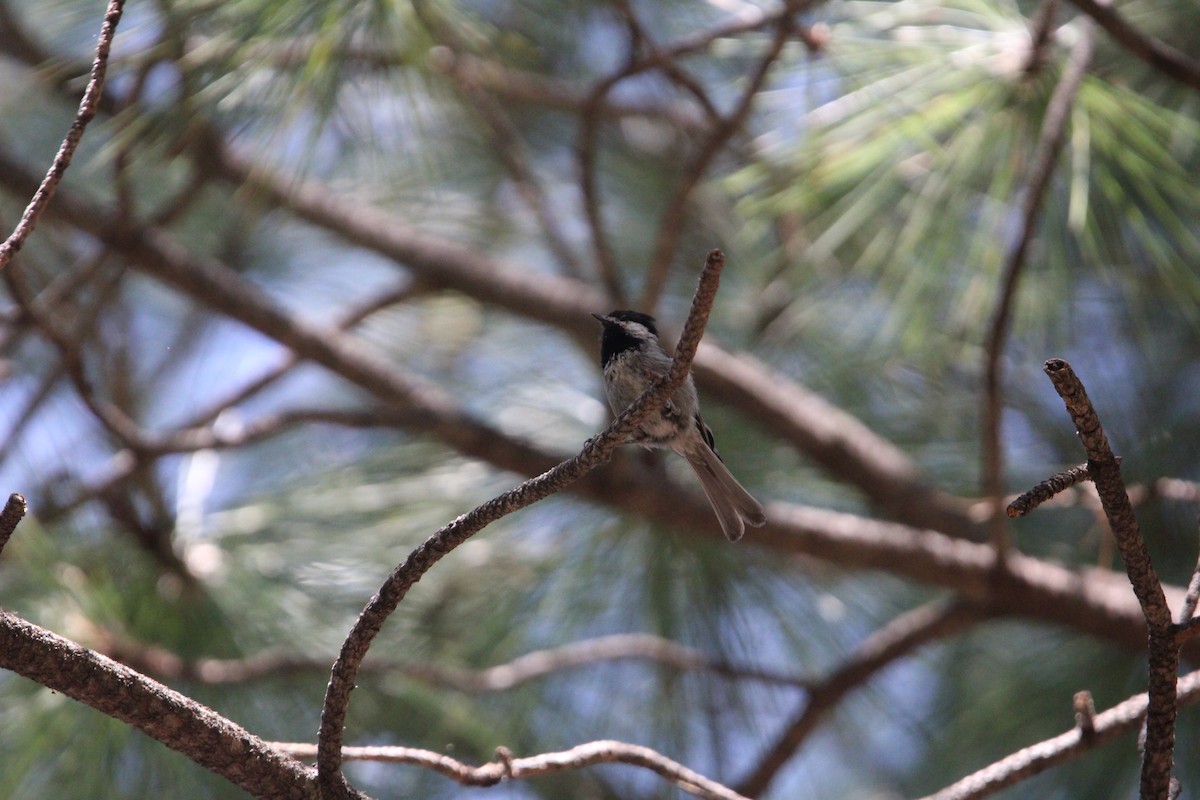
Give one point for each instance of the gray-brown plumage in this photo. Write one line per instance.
(632, 359)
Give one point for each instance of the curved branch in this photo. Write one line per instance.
(670, 230)
(595, 452)
(87, 110)
(1093, 601)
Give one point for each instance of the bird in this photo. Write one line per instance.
(632, 359)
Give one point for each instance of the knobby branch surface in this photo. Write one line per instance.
(1093, 731)
(1105, 469)
(1041, 169)
(595, 452)
(1047, 489)
(173, 719)
(13, 513)
(508, 767)
(1162, 647)
(87, 110)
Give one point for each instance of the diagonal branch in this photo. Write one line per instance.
(1106, 726)
(895, 640)
(87, 110)
(180, 723)
(1161, 56)
(1162, 649)
(1048, 489)
(839, 442)
(595, 452)
(1092, 601)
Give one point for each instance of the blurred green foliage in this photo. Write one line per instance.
(866, 207)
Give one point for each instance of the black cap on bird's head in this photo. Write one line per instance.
(624, 330)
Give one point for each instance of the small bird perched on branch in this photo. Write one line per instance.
(632, 359)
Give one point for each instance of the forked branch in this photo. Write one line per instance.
(1163, 648)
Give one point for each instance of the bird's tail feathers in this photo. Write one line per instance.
(734, 506)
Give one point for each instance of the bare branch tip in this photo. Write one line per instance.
(1053, 365)
(13, 513)
(1085, 713)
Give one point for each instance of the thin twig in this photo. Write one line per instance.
(1192, 597)
(13, 513)
(1162, 649)
(895, 640)
(1041, 169)
(1047, 489)
(508, 144)
(667, 64)
(508, 767)
(586, 156)
(1126, 717)
(87, 110)
(670, 229)
(589, 125)
(595, 452)
(69, 343)
(167, 665)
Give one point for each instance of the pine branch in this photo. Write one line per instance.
(894, 641)
(1092, 732)
(595, 452)
(88, 106)
(1033, 195)
(165, 715)
(11, 516)
(167, 665)
(1163, 649)
(1161, 56)
(508, 767)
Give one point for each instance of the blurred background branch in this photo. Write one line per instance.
(319, 280)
